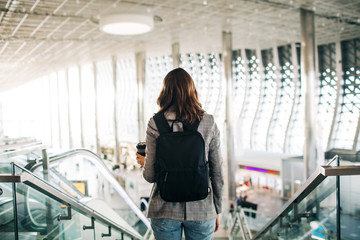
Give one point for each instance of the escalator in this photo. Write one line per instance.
(81, 199)
(87, 170)
(323, 208)
(38, 210)
(27, 210)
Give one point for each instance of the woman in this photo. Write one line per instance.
(178, 100)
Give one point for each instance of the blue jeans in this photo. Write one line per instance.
(169, 229)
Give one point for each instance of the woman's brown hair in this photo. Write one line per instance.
(179, 91)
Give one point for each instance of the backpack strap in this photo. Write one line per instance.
(191, 127)
(161, 123)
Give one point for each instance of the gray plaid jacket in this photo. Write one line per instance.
(192, 211)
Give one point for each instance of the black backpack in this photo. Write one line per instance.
(182, 173)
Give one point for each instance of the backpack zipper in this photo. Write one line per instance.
(166, 174)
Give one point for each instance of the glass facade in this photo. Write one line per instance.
(267, 100)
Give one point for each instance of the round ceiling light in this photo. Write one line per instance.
(127, 23)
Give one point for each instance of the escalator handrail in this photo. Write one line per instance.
(28, 148)
(44, 187)
(74, 152)
(311, 183)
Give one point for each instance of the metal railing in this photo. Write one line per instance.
(96, 160)
(291, 206)
(40, 185)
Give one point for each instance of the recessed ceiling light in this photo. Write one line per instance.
(126, 23)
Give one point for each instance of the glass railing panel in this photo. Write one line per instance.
(38, 199)
(94, 180)
(7, 223)
(316, 212)
(256, 219)
(21, 154)
(350, 207)
(5, 168)
(274, 232)
(314, 217)
(38, 217)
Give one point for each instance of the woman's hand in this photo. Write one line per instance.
(140, 160)
(217, 224)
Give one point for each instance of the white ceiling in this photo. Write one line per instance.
(41, 36)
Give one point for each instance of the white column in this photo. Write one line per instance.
(59, 110)
(175, 49)
(231, 165)
(1, 122)
(116, 105)
(140, 77)
(98, 146)
(308, 79)
(71, 144)
(81, 110)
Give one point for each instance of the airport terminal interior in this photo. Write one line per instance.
(79, 80)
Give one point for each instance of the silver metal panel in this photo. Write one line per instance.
(308, 83)
(175, 54)
(140, 76)
(98, 146)
(116, 112)
(231, 165)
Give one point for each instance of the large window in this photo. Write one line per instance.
(346, 126)
(284, 101)
(127, 97)
(267, 102)
(88, 106)
(205, 69)
(156, 70)
(328, 81)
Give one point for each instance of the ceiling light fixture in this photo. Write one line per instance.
(127, 23)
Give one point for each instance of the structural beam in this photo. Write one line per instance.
(175, 53)
(116, 115)
(231, 165)
(308, 79)
(140, 77)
